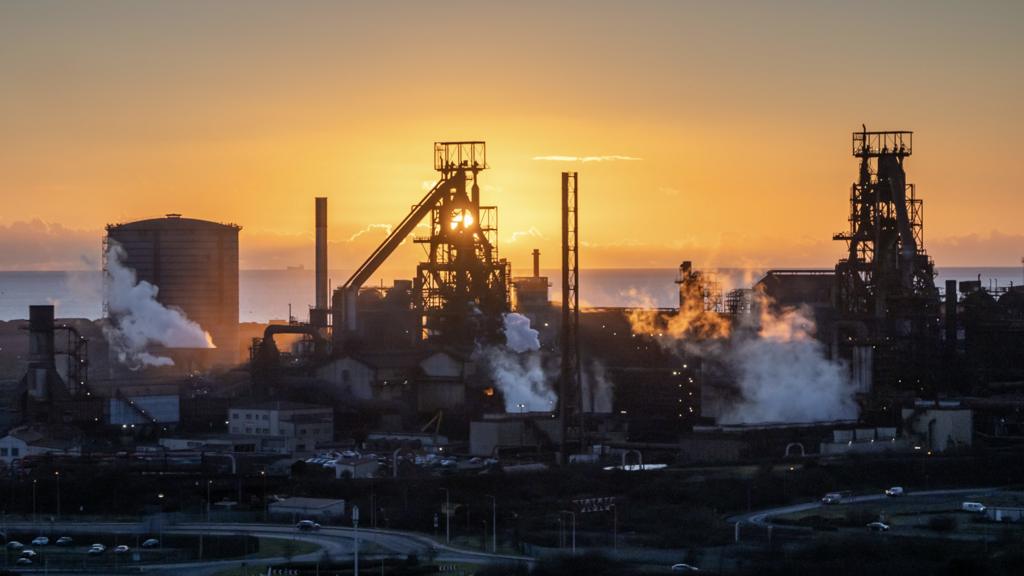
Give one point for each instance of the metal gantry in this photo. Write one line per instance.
(463, 283)
(885, 286)
(570, 397)
(886, 272)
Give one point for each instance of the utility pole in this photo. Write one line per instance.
(266, 505)
(615, 527)
(355, 526)
(494, 524)
(35, 519)
(57, 474)
(447, 517)
(572, 517)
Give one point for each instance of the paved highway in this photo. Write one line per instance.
(337, 542)
(763, 517)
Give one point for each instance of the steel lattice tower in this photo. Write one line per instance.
(570, 397)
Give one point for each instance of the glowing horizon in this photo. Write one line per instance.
(718, 134)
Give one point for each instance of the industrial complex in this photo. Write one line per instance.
(463, 368)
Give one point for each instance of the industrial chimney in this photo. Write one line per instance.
(320, 317)
(42, 370)
(536, 263)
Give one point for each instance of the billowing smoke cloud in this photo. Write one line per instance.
(518, 370)
(781, 371)
(784, 375)
(139, 321)
(519, 337)
(598, 389)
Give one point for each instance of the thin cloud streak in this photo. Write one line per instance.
(585, 159)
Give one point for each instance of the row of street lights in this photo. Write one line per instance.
(448, 518)
(35, 483)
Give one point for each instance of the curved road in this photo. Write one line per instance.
(763, 517)
(337, 542)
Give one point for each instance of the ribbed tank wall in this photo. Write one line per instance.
(194, 264)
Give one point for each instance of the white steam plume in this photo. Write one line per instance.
(518, 334)
(781, 371)
(517, 368)
(784, 376)
(598, 389)
(139, 321)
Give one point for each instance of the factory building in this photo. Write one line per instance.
(284, 427)
(429, 380)
(26, 441)
(194, 264)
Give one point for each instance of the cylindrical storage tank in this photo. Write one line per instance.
(194, 264)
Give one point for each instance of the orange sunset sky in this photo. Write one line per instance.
(735, 118)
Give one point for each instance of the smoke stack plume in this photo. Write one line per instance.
(517, 368)
(139, 321)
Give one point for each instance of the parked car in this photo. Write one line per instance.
(977, 507)
(15, 545)
(28, 553)
(65, 541)
(878, 527)
(151, 543)
(40, 541)
(895, 491)
(23, 562)
(307, 525)
(122, 549)
(97, 549)
(684, 569)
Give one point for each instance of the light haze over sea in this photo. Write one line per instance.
(266, 294)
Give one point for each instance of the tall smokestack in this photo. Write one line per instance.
(536, 263)
(321, 254)
(41, 351)
(951, 319)
(41, 338)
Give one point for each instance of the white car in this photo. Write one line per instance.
(28, 553)
(122, 549)
(973, 507)
(151, 543)
(832, 498)
(895, 491)
(97, 549)
(684, 569)
(878, 527)
(40, 541)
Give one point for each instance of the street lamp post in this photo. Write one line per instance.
(447, 517)
(57, 474)
(615, 527)
(355, 526)
(572, 517)
(35, 519)
(494, 524)
(208, 503)
(266, 505)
